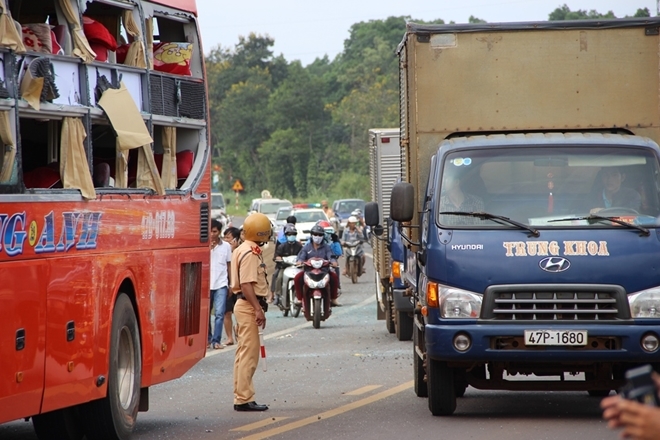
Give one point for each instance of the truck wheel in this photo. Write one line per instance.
(404, 326)
(421, 389)
(62, 424)
(389, 316)
(114, 416)
(442, 394)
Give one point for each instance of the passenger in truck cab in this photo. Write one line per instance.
(454, 199)
(610, 193)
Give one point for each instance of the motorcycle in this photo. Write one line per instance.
(316, 290)
(353, 259)
(288, 295)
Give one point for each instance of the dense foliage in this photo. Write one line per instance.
(301, 131)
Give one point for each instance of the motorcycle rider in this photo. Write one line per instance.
(316, 248)
(353, 233)
(281, 236)
(290, 247)
(361, 224)
(335, 245)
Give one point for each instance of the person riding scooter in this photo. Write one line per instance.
(317, 248)
(290, 247)
(353, 233)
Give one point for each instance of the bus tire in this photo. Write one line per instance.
(442, 394)
(114, 416)
(61, 424)
(404, 326)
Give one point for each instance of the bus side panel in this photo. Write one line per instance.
(173, 354)
(23, 306)
(71, 303)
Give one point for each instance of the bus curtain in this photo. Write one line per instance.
(7, 138)
(9, 34)
(74, 167)
(136, 54)
(149, 27)
(168, 173)
(82, 49)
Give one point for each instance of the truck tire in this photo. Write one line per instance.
(114, 416)
(421, 389)
(404, 326)
(442, 394)
(62, 424)
(389, 317)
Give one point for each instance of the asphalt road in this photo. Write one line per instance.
(349, 379)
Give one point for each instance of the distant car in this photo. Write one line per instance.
(343, 209)
(280, 218)
(218, 209)
(305, 219)
(269, 207)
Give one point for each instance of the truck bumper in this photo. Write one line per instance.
(402, 303)
(493, 343)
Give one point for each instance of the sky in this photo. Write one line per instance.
(308, 29)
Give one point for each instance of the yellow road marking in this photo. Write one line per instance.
(259, 424)
(363, 390)
(331, 413)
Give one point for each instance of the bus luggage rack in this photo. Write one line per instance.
(555, 306)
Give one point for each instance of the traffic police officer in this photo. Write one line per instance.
(250, 285)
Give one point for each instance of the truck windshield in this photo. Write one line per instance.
(553, 187)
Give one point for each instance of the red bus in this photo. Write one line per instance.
(104, 209)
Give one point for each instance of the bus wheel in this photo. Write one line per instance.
(113, 417)
(62, 424)
(442, 395)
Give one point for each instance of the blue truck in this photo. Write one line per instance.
(393, 297)
(531, 181)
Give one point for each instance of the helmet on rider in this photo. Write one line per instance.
(257, 228)
(327, 226)
(290, 229)
(317, 230)
(357, 213)
(352, 219)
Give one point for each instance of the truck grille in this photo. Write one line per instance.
(556, 305)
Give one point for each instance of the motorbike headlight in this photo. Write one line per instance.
(458, 303)
(645, 304)
(317, 264)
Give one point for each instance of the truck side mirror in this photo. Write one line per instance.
(402, 202)
(371, 214)
(377, 230)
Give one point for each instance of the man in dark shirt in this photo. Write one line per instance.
(317, 248)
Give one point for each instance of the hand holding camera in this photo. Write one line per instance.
(636, 409)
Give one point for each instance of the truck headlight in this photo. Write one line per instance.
(645, 304)
(458, 303)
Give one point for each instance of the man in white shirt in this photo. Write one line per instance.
(220, 258)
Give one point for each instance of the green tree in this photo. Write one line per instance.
(565, 13)
(474, 19)
(642, 12)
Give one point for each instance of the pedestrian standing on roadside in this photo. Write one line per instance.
(249, 282)
(233, 237)
(220, 258)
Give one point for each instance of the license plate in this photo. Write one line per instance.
(556, 337)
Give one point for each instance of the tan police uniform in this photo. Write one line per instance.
(247, 267)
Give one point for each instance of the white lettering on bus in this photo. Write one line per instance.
(159, 225)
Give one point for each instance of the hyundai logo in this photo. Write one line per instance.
(554, 264)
